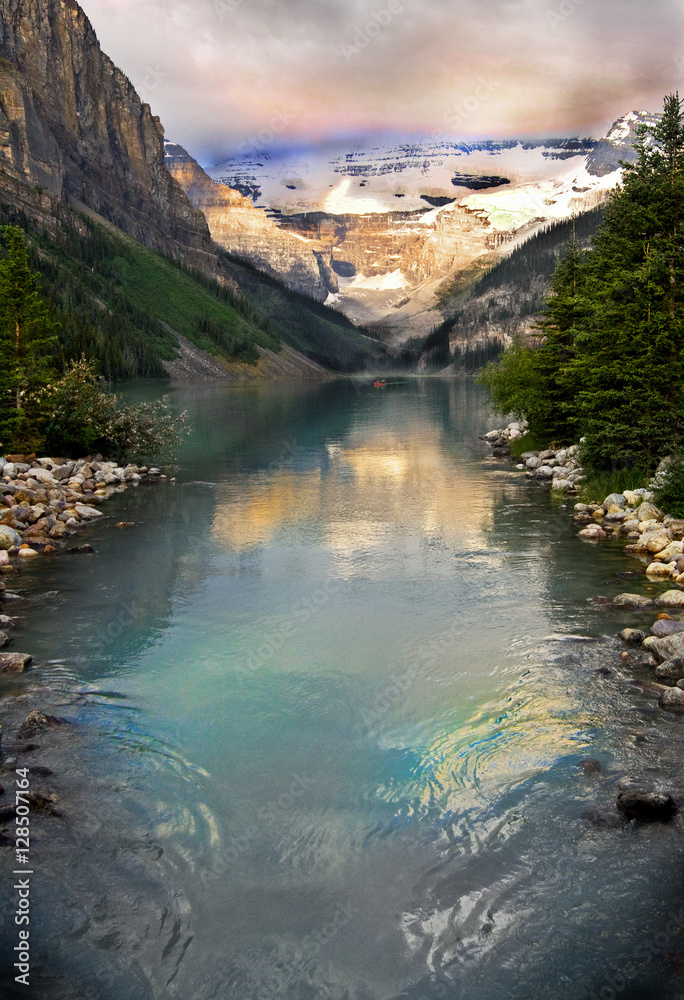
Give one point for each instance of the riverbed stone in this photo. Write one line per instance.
(615, 500)
(634, 636)
(672, 700)
(635, 601)
(8, 537)
(667, 648)
(671, 670)
(14, 663)
(671, 599)
(5, 640)
(669, 553)
(663, 628)
(86, 512)
(6, 622)
(38, 722)
(648, 807)
(660, 571)
(592, 533)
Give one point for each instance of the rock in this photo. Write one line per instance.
(533, 462)
(88, 513)
(668, 648)
(562, 485)
(598, 513)
(649, 807)
(634, 636)
(125, 524)
(590, 766)
(5, 640)
(672, 700)
(654, 541)
(549, 453)
(635, 601)
(648, 512)
(581, 508)
(671, 599)
(8, 537)
(659, 571)
(26, 553)
(671, 670)
(83, 550)
(37, 722)
(603, 818)
(6, 622)
(592, 533)
(14, 663)
(663, 627)
(544, 472)
(615, 500)
(7, 595)
(60, 530)
(670, 552)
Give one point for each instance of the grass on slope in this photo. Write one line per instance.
(312, 328)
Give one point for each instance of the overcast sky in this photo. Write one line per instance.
(223, 72)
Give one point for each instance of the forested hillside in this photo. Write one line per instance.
(113, 300)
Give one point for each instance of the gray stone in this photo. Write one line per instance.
(637, 601)
(6, 622)
(37, 722)
(533, 462)
(89, 513)
(615, 500)
(544, 472)
(649, 512)
(668, 648)
(662, 628)
(549, 453)
(4, 640)
(672, 700)
(671, 670)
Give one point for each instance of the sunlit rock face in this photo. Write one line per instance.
(74, 131)
(240, 228)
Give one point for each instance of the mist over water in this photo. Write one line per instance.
(328, 702)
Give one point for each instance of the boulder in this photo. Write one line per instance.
(561, 485)
(671, 670)
(659, 570)
(14, 663)
(672, 700)
(533, 463)
(37, 722)
(671, 599)
(648, 511)
(592, 533)
(663, 627)
(6, 622)
(544, 472)
(669, 553)
(615, 500)
(634, 636)
(8, 537)
(87, 513)
(667, 648)
(649, 807)
(634, 601)
(4, 640)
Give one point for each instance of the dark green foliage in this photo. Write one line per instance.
(668, 487)
(612, 366)
(27, 336)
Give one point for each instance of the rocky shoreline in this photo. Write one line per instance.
(44, 504)
(657, 540)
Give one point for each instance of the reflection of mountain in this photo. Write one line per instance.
(362, 476)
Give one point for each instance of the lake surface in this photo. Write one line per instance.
(328, 705)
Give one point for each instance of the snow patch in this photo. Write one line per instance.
(381, 282)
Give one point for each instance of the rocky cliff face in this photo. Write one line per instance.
(73, 130)
(239, 227)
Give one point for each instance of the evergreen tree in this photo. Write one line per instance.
(27, 333)
(629, 362)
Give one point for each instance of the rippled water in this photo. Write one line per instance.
(328, 698)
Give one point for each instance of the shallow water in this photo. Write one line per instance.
(328, 698)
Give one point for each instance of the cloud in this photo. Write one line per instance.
(217, 71)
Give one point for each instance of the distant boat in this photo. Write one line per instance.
(380, 384)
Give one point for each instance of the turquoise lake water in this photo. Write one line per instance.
(329, 696)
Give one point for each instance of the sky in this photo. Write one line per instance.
(225, 75)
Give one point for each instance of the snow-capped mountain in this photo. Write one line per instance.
(396, 219)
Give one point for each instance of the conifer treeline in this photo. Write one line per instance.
(610, 365)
